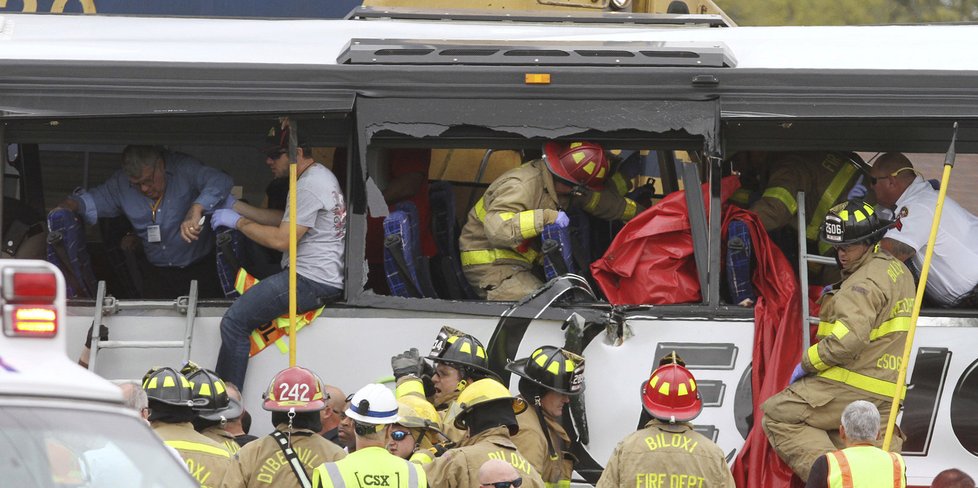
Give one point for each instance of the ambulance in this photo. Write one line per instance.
(60, 425)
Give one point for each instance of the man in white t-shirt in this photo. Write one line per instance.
(320, 229)
(954, 266)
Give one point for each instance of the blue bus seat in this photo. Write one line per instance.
(558, 253)
(403, 263)
(739, 254)
(67, 250)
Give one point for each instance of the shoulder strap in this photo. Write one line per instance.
(294, 463)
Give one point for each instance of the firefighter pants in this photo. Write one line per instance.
(501, 282)
(802, 421)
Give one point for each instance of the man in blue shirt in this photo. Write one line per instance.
(165, 196)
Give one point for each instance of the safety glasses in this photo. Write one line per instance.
(399, 435)
(874, 179)
(505, 484)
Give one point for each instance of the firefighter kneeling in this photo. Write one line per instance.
(863, 326)
(668, 452)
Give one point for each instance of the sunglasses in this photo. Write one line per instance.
(874, 179)
(506, 484)
(399, 435)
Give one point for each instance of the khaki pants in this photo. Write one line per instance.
(802, 421)
(501, 282)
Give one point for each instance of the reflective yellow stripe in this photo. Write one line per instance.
(861, 381)
(197, 447)
(480, 209)
(409, 387)
(593, 202)
(489, 256)
(814, 358)
(528, 227)
(741, 197)
(892, 326)
(621, 186)
(559, 484)
(783, 196)
(829, 197)
(837, 328)
(506, 215)
(630, 209)
(421, 457)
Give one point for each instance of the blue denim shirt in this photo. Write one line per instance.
(187, 182)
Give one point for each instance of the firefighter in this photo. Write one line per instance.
(863, 324)
(287, 456)
(667, 451)
(548, 379)
(218, 407)
(459, 359)
(171, 407)
(418, 427)
(488, 413)
(499, 245)
(860, 463)
(373, 410)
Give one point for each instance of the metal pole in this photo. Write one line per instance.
(293, 176)
(806, 340)
(902, 376)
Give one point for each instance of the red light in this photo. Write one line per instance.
(30, 286)
(31, 321)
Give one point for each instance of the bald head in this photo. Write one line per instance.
(336, 403)
(495, 471)
(953, 478)
(893, 173)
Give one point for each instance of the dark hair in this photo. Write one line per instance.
(302, 420)
(246, 422)
(169, 414)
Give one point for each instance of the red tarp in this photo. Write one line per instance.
(651, 262)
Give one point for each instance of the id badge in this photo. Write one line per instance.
(153, 233)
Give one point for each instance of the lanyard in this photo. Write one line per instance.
(154, 207)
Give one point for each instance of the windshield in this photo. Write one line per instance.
(55, 447)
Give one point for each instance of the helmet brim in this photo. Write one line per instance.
(519, 406)
(460, 365)
(298, 406)
(232, 411)
(518, 367)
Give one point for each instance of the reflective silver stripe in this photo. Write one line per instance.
(412, 475)
(335, 476)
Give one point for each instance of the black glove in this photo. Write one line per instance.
(441, 448)
(407, 363)
(103, 334)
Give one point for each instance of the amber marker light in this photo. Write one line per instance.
(538, 78)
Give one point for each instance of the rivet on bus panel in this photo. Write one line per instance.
(538, 78)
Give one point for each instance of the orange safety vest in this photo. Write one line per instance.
(276, 330)
(866, 467)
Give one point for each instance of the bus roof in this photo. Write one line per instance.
(321, 42)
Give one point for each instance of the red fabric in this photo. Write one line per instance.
(404, 162)
(651, 262)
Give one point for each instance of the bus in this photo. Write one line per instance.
(482, 91)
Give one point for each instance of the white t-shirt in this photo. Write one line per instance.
(954, 266)
(320, 207)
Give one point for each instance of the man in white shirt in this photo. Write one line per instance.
(954, 266)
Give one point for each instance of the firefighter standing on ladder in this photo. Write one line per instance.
(863, 325)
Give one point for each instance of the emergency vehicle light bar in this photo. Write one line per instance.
(537, 53)
(28, 302)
